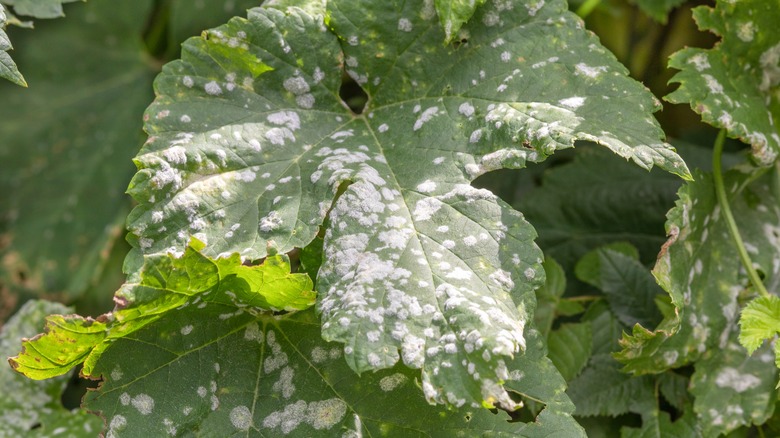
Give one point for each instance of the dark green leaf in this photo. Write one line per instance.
(658, 9)
(570, 348)
(38, 8)
(628, 286)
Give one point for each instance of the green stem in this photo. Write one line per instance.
(586, 8)
(720, 192)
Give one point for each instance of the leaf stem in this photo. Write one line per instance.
(586, 8)
(720, 192)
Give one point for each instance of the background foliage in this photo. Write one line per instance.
(619, 345)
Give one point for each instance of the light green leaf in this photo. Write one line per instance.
(453, 14)
(38, 8)
(63, 176)
(734, 86)
(548, 296)
(29, 408)
(700, 269)
(570, 348)
(733, 389)
(8, 69)
(627, 285)
(167, 284)
(414, 256)
(759, 321)
(192, 372)
(658, 9)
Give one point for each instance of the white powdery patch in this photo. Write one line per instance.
(187, 329)
(424, 209)
(427, 186)
(534, 7)
(213, 88)
(290, 119)
(319, 414)
(270, 222)
(466, 109)
(404, 25)
(739, 382)
(572, 102)
(503, 279)
(589, 71)
(392, 382)
(713, 84)
(746, 31)
(699, 61)
(187, 81)
(143, 403)
(425, 117)
(176, 155)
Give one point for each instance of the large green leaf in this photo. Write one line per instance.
(271, 376)
(735, 85)
(29, 408)
(627, 285)
(166, 285)
(249, 143)
(67, 144)
(700, 269)
(8, 69)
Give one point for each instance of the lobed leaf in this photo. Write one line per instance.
(31, 408)
(167, 284)
(734, 85)
(760, 321)
(195, 372)
(700, 269)
(414, 258)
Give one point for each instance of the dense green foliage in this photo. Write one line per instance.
(367, 218)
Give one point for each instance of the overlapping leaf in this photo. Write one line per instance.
(8, 69)
(249, 142)
(700, 269)
(66, 145)
(759, 322)
(167, 284)
(29, 408)
(199, 372)
(735, 85)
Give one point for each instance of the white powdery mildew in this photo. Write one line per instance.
(318, 414)
(144, 403)
(572, 102)
(589, 71)
(404, 25)
(700, 61)
(241, 418)
(466, 109)
(425, 117)
(270, 222)
(213, 88)
(739, 382)
(392, 382)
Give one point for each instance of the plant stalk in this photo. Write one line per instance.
(586, 8)
(725, 208)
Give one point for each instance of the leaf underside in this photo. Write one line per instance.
(8, 69)
(734, 85)
(249, 143)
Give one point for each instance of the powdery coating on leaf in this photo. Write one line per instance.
(144, 403)
(390, 383)
(739, 382)
(318, 414)
(241, 418)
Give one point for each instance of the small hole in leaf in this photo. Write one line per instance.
(352, 94)
(467, 417)
(460, 42)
